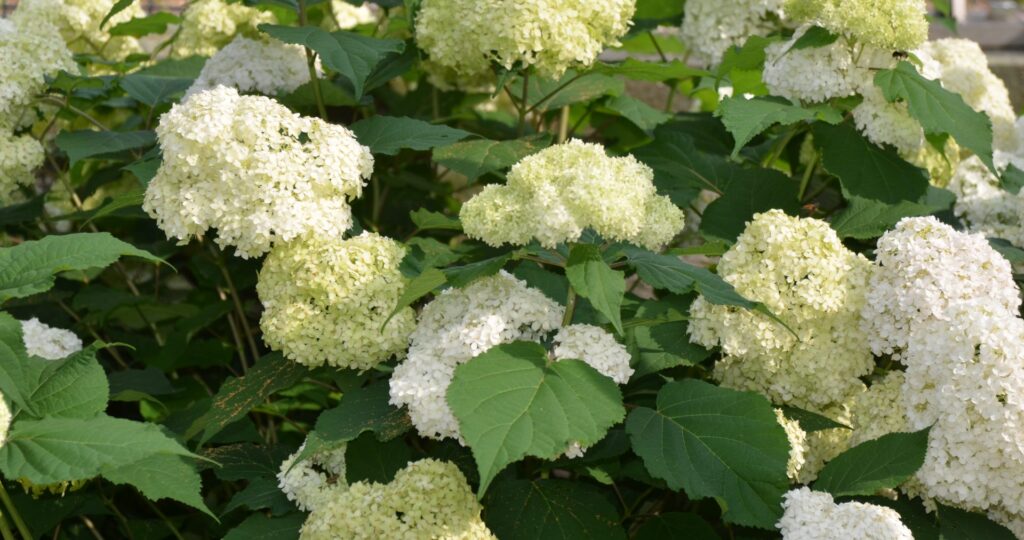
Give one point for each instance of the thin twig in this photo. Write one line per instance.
(13, 511)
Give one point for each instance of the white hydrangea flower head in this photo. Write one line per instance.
(347, 16)
(32, 49)
(813, 74)
(712, 27)
(926, 270)
(894, 25)
(253, 170)
(887, 123)
(597, 348)
(79, 25)
(463, 37)
(5, 420)
(457, 326)
(879, 410)
(557, 193)
(20, 157)
(47, 342)
(964, 70)
(314, 481)
(209, 25)
(802, 272)
(797, 438)
(984, 206)
(814, 515)
(325, 301)
(264, 66)
(428, 499)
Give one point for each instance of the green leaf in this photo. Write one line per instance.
(810, 421)
(474, 159)
(937, 109)
(361, 410)
(747, 118)
(1012, 179)
(162, 476)
(881, 463)
(716, 442)
(666, 344)
(594, 280)
(866, 170)
(676, 524)
(389, 134)
(141, 26)
(61, 449)
(261, 493)
(752, 191)
(814, 38)
(681, 170)
(864, 218)
(957, 524)
(153, 90)
(639, 70)
(511, 404)
(238, 396)
(261, 527)
(460, 276)
(370, 460)
(1010, 252)
(22, 212)
(85, 144)
(353, 55)
(118, 7)
(643, 115)
(426, 220)
(417, 288)
(29, 268)
(75, 387)
(551, 509)
(551, 94)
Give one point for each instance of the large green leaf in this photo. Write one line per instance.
(681, 170)
(937, 109)
(881, 463)
(353, 55)
(957, 524)
(666, 344)
(237, 397)
(162, 476)
(747, 118)
(29, 268)
(142, 26)
(474, 159)
(60, 449)
(80, 145)
(551, 94)
(716, 442)
(153, 90)
(866, 170)
(510, 404)
(639, 70)
(676, 524)
(360, 410)
(425, 220)
(389, 134)
(865, 218)
(261, 527)
(550, 509)
(752, 191)
(594, 280)
(638, 112)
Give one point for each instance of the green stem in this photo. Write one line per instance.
(311, 64)
(570, 307)
(5, 528)
(776, 152)
(523, 111)
(552, 94)
(237, 300)
(807, 177)
(174, 530)
(563, 125)
(15, 516)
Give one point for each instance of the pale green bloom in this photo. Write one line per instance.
(896, 25)
(20, 156)
(209, 25)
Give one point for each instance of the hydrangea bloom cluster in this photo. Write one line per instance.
(463, 37)
(946, 304)
(32, 49)
(346, 16)
(801, 271)
(797, 445)
(983, 205)
(963, 69)
(457, 326)
(925, 270)
(314, 481)
(894, 25)
(255, 171)
(597, 348)
(428, 499)
(813, 515)
(711, 27)
(209, 25)
(325, 300)
(879, 410)
(20, 156)
(47, 342)
(553, 195)
(264, 66)
(79, 25)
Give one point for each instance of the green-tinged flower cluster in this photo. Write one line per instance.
(427, 500)
(897, 25)
(463, 37)
(880, 410)
(802, 272)
(79, 25)
(20, 156)
(209, 25)
(326, 300)
(30, 50)
(557, 193)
